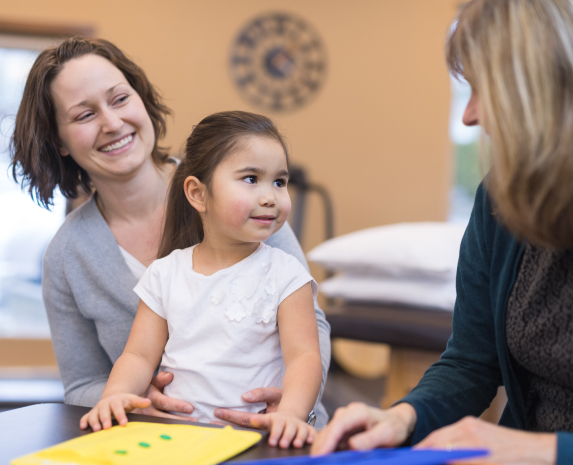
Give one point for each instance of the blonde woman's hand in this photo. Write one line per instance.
(116, 404)
(359, 426)
(285, 428)
(507, 446)
(160, 402)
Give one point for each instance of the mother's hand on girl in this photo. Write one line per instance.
(270, 395)
(506, 445)
(160, 402)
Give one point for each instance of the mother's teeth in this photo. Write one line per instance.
(118, 145)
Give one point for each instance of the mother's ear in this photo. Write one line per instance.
(195, 191)
(64, 152)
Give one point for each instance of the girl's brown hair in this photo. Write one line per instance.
(518, 57)
(34, 144)
(212, 140)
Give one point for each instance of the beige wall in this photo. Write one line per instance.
(376, 136)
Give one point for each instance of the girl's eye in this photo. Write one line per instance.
(250, 179)
(280, 183)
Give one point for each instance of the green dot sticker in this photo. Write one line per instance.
(164, 436)
(144, 444)
(122, 452)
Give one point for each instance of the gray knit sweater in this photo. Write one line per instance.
(89, 299)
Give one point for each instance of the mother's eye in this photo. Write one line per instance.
(84, 116)
(121, 99)
(250, 179)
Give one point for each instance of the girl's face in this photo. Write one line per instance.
(248, 199)
(102, 122)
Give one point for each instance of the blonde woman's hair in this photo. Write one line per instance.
(518, 57)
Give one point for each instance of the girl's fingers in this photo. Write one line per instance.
(253, 420)
(84, 421)
(116, 405)
(105, 415)
(301, 436)
(288, 435)
(93, 419)
(277, 428)
(311, 435)
(119, 412)
(132, 401)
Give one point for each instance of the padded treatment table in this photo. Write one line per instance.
(399, 326)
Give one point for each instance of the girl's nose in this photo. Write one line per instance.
(111, 121)
(267, 200)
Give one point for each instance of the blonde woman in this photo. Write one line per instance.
(513, 320)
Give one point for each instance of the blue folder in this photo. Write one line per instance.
(401, 456)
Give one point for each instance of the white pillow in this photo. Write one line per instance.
(427, 293)
(402, 250)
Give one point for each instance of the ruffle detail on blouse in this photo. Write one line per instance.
(251, 294)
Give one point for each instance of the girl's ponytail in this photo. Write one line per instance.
(211, 141)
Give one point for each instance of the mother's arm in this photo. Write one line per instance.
(84, 366)
(83, 363)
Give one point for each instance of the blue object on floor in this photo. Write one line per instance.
(401, 456)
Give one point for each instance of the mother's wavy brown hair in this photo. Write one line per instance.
(518, 57)
(36, 159)
(215, 138)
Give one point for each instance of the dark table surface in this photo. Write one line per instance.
(398, 326)
(29, 429)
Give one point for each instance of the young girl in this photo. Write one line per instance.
(221, 310)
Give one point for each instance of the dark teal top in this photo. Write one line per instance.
(477, 359)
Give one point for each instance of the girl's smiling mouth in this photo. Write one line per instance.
(264, 219)
(117, 144)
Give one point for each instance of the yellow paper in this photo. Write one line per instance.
(125, 445)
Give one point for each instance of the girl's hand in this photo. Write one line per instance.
(271, 395)
(118, 404)
(160, 402)
(507, 446)
(359, 426)
(285, 428)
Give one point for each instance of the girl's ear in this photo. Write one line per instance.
(195, 191)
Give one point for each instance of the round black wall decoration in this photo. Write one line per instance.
(278, 62)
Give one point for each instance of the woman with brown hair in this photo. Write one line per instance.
(89, 122)
(513, 319)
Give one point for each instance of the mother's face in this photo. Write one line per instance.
(102, 122)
